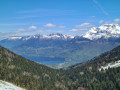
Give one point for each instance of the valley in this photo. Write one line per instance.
(59, 44)
(31, 75)
(60, 51)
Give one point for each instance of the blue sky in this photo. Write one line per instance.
(75, 17)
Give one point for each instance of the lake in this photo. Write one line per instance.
(47, 60)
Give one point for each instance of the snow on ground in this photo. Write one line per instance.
(8, 86)
(111, 65)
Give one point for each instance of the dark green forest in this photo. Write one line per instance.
(28, 74)
(84, 76)
(88, 76)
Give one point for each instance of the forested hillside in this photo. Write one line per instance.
(28, 74)
(87, 75)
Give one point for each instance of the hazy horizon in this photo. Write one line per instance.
(28, 17)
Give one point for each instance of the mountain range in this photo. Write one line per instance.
(58, 50)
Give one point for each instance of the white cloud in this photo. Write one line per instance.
(117, 20)
(4, 35)
(12, 24)
(73, 30)
(49, 25)
(83, 29)
(24, 17)
(61, 26)
(84, 25)
(92, 16)
(32, 27)
(39, 30)
(101, 21)
(100, 7)
(21, 30)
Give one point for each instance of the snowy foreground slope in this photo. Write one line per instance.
(8, 86)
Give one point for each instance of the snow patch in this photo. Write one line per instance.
(8, 86)
(111, 65)
(14, 38)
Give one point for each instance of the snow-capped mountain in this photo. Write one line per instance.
(55, 47)
(39, 36)
(37, 40)
(14, 38)
(105, 31)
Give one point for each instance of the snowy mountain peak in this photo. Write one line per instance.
(14, 38)
(39, 36)
(58, 34)
(105, 31)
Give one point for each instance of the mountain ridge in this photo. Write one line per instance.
(104, 31)
(40, 36)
